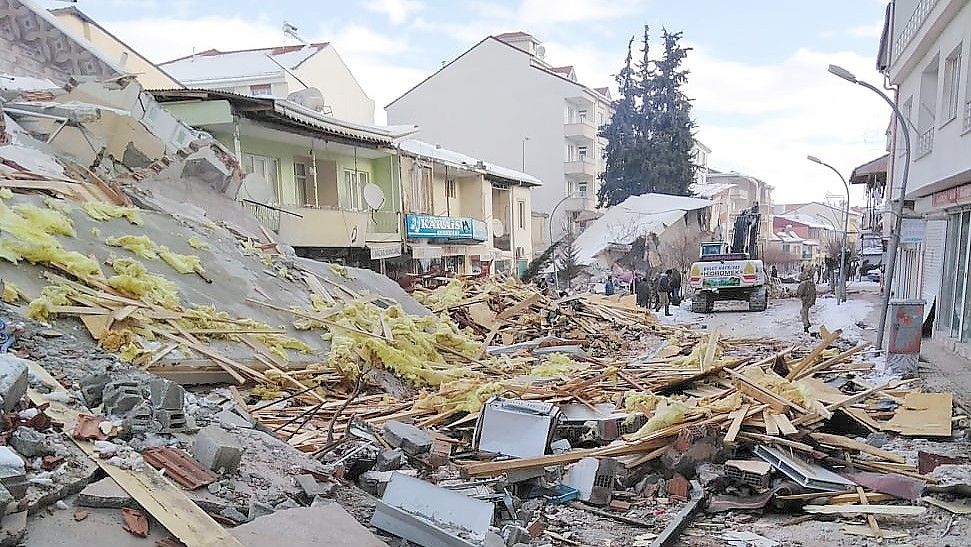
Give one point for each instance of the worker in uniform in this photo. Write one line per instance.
(675, 275)
(807, 294)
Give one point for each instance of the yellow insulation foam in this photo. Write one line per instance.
(102, 211)
(141, 246)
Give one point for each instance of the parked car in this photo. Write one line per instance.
(873, 275)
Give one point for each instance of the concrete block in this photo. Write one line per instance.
(92, 388)
(105, 493)
(13, 474)
(310, 488)
(167, 395)
(230, 420)
(389, 460)
(29, 442)
(13, 380)
(171, 420)
(217, 450)
(515, 534)
(121, 397)
(259, 509)
(410, 439)
(140, 417)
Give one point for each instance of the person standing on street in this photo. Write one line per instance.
(807, 294)
(642, 289)
(664, 293)
(609, 286)
(675, 286)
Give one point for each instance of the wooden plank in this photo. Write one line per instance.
(923, 414)
(871, 521)
(828, 339)
(855, 530)
(771, 427)
(902, 510)
(710, 348)
(738, 416)
(97, 325)
(785, 426)
(763, 394)
(123, 313)
(840, 441)
(166, 502)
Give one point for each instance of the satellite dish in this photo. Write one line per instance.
(498, 228)
(373, 195)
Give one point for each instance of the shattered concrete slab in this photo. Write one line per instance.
(328, 524)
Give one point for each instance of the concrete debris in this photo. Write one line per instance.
(410, 439)
(13, 473)
(13, 380)
(307, 527)
(30, 443)
(389, 460)
(105, 494)
(217, 450)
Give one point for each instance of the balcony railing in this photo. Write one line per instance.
(967, 116)
(925, 142)
(581, 166)
(267, 215)
(385, 222)
(580, 129)
(912, 27)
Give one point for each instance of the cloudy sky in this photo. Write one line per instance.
(762, 97)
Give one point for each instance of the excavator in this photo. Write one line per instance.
(731, 273)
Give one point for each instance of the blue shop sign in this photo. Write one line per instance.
(452, 228)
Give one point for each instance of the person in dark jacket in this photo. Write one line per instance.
(664, 292)
(807, 295)
(642, 288)
(675, 275)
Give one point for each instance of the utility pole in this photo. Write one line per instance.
(841, 293)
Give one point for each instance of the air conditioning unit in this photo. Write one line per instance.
(520, 252)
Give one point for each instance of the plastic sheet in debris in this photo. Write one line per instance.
(514, 427)
(804, 473)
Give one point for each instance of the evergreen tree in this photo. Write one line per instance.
(567, 261)
(650, 135)
(540, 262)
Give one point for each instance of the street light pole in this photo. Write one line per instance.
(525, 139)
(556, 277)
(898, 207)
(846, 228)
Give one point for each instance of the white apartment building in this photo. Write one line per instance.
(280, 72)
(925, 51)
(503, 102)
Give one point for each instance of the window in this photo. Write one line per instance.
(353, 191)
(582, 153)
(269, 169)
(521, 212)
(582, 188)
(450, 189)
(423, 191)
(581, 116)
(304, 184)
(952, 81)
(261, 90)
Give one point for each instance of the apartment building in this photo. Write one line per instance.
(733, 193)
(311, 70)
(502, 101)
(925, 50)
(463, 216)
(329, 188)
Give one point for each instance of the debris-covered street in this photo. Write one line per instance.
(236, 312)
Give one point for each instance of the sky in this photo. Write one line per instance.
(762, 97)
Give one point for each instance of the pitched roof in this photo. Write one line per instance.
(213, 64)
(457, 159)
(479, 43)
(516, 34)
(605, 91)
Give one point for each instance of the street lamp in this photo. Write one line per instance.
(898, 207)
(846, 228)
(556, 277)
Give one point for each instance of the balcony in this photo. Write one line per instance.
(451, 229)
(384, 226)
(580, 130)
(925, 142)
(910, 29)
(580, 166)
(310, 227)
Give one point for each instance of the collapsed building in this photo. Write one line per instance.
(170, 371)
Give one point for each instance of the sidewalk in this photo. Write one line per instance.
(945, 371)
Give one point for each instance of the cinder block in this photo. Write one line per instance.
(167, 395)
(121, 397)
(92, 388)
(140, 418)
(171, 420)
(217, 450)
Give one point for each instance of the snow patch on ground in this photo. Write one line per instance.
(843, 316)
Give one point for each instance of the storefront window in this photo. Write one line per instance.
(946, 305)
(960, 272)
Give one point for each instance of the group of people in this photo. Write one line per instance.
(655, 292)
